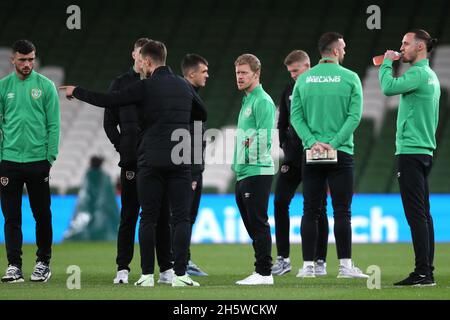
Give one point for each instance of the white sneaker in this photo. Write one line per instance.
(281, 266)
(166, 277)
(121, 277)
(320, 268)
(13, 274)
(146, 280)
(256, 279)
(352, 272)
(41, 272)
(306, 272)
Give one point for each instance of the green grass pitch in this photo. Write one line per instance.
(226, 264)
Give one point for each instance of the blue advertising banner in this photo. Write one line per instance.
(375, 219)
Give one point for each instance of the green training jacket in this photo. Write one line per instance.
(30, 122)
(326, 106)
(254, 136)
(418, 112)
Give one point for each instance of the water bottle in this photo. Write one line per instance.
(379, 59)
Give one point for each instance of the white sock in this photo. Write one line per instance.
(346, 262)
(308, 263)
(287, 259)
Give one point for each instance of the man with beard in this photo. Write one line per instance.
(417, 121)
(290, 176)
(253, 164)
(30, 124)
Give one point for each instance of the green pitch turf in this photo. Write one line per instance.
(226, 264)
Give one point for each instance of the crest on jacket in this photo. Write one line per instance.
(129, 175)
(36, 93)
(4, 181)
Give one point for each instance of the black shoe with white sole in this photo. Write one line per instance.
(13, 274)
(41, 272)
(417, 280)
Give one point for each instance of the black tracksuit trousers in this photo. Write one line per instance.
(252, 198)
(197, 187)
(35, 176)
(289, 178)
(155, 183)
(413, 171)
(128, 219)
(340, 181)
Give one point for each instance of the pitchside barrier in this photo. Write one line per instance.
(375, 219)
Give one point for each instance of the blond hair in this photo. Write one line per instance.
(251, 60)
(296, 56)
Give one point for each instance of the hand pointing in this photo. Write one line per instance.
(69, 91)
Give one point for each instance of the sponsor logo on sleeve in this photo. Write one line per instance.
(432, 81)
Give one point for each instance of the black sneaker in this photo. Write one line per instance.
(416, 280)
(41, 272)
(13, 274)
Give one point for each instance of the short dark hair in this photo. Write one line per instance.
(141, 42)
(327, 40)
(96, 162)
(295, 56)
(422, 35)
(155, 50)
(191, 61)
(23, 47)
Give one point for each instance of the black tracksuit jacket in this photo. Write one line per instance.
(166, 102)
(127, 139)
(289, 140)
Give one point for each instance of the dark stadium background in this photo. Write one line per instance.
(220, 31)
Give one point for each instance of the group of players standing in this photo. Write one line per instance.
(320, 111)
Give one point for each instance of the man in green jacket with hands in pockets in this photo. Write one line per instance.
(254, 165)
(417, 121)
(326, 108)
